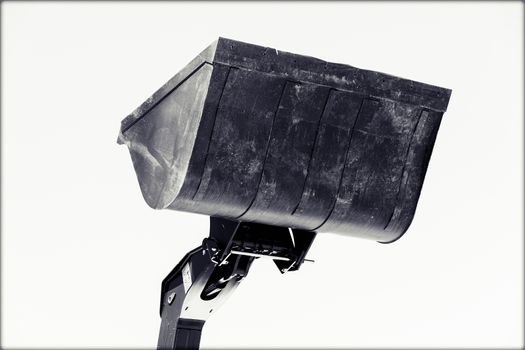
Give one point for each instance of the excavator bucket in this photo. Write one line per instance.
(253, 135)
(256, 134)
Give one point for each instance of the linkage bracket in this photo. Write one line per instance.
(207, 275)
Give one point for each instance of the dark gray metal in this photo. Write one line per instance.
(255, 134)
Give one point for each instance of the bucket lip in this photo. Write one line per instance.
(300, 68)
(343, 77)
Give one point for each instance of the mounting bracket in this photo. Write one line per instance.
(207, 275)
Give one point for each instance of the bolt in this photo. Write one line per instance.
(171, 297)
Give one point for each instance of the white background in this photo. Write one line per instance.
(83, 255)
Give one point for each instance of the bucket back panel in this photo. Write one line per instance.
(328, 158)
(372, 176)
(418, 156)
(288, 154)
(237, 149)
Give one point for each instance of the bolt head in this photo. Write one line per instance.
(171, 297)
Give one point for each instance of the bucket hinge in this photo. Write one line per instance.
(207, 275)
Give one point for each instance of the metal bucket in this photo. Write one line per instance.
(254, 134)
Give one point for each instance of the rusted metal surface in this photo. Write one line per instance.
(255, 134)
